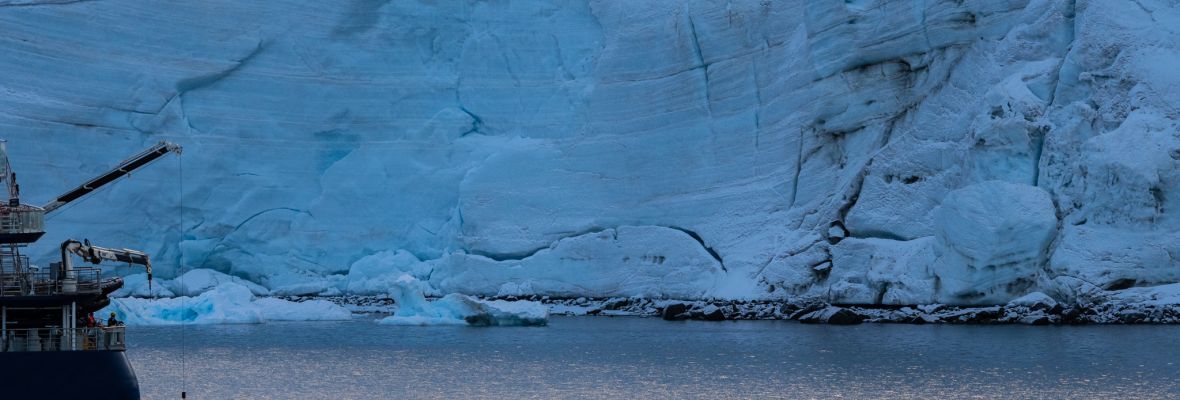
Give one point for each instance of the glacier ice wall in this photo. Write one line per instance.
(690, 149)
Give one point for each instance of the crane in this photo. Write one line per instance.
(22, 224)
(123, 169)
(94, 255)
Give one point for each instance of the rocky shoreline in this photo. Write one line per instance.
(1029, 311)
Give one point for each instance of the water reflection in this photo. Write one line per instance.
(598, 357)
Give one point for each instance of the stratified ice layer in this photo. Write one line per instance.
(890, 151)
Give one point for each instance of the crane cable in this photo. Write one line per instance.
(179, 267)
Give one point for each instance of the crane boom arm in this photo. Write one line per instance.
(95, 255)
(124, 168)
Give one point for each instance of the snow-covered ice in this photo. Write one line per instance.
(136, 285)
(199, 281)
(226, 303)
(1162, 295)
(629, 261)
(993, 239)
(190, 283)
(456, 309)
(377, 273)
(880, 152)
(1034, 299)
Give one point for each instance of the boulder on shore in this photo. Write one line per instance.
(832, 315)
(675, 312)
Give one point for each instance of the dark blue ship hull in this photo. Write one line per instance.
(67, 375)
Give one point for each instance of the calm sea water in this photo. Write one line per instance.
(639, 358)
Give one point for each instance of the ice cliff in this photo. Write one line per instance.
(861, 151)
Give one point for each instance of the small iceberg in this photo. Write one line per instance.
(457, 309)
(225, 303)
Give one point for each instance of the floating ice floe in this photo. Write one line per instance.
(455, 309)
(226, 303)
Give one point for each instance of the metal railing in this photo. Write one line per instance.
(25, 219)
(88, 280)
(12, 262)
(57, 339)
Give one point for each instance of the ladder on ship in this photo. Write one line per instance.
(13, 274)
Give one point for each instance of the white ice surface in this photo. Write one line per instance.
(1033, 299)
(199, 281)
(326, 144)
(455, 309)
(993, 239)
(136, 285)
(190, 283)
(1162, 295)
(629, 261)
(376, 273)
(227, 303)
(881, 271)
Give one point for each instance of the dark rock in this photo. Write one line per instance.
(675, 312)
(974, 315)
(712, 313)
(837, 232)
(832, 315)
(479, 320)
(930, 308)
(1071, 315)
(1035, 301)
(808, 310)
(616, 304)
(1131, 316)
(823, 267)
(1035, 319)
(989, 314)
(845, 316)
(787, 309)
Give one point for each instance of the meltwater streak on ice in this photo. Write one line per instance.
(579, 357)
